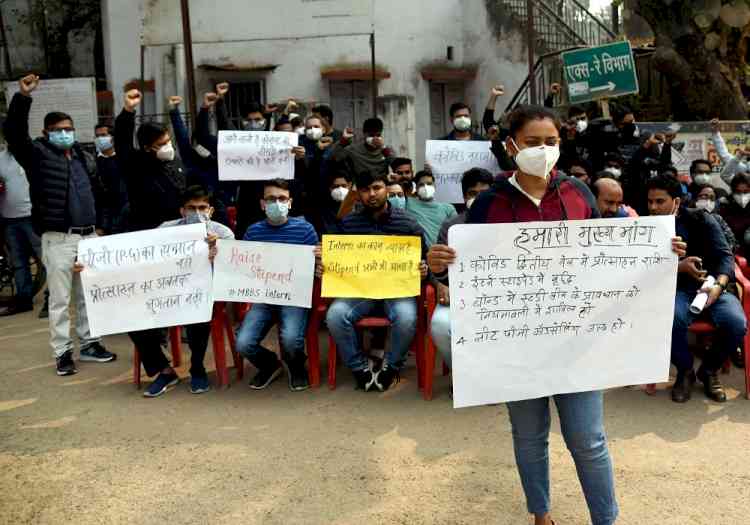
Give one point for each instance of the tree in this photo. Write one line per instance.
(702, 50)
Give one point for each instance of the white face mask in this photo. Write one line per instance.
(426, 192)
(462, 123)
(582, 125)
(742, 199)
(339, 194)
(470, 202)
(615, 172)
(370, 141)
(705, 204)
(537, 161)
(166, 152)
(300, 131)
(702, 179)
(314, 134)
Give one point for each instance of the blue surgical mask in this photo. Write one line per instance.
(277, 212)
(103, 143)
(398, 202)
(62, 139)
(197, 217)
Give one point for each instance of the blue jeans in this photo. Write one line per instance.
(726, 313)
(23, 243)
(440, 329)
(343, 314)
(582, 428)
(261, 318)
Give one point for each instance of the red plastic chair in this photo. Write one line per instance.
(431, 351)
(232, 217)
(703, 327)
(317, 314)
(219, 325)
(417, 344)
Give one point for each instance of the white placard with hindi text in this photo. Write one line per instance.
(146, 279)
(449, 159)
(264, 272)
(544, 308)
(74, 96)
(256, 155)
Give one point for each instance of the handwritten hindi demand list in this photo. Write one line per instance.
(256, 155)
(264, 272)
(543, 308)
(147, 279)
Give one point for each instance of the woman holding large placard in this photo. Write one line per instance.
(536, 192)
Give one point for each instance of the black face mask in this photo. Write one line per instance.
(628, 130)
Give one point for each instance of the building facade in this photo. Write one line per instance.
(428, 54)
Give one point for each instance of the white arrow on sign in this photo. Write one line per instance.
(609, 86)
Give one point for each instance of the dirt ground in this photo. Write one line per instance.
(88, 449)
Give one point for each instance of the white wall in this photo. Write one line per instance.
(299, 37)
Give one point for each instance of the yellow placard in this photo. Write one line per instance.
(371, 266)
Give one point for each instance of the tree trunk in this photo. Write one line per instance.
(703, 83)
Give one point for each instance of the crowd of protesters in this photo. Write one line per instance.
(56, 193)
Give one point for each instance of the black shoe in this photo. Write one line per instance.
(738, 358)
(712, 387)
(266, 376)
(16, 309)
(96, 353)
(386, 377)
(297, 375)
(65, 364)
(681, 390)
(44, 312)
(364, 380)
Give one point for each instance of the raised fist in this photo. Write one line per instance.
(715, 125)
(348, 134)
(270, 108)
(555, 88)
(133, 99)
(28, 84)
(222, 89)
(174, 101)
(498, 91)
(209, 99)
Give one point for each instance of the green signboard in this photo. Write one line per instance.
(600, 72)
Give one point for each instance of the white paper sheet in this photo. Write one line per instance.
(543, 308)
(147, 279)
(449, 159)
(264, 272)
(256, 155)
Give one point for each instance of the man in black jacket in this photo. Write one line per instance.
(108, 170)
(65, 208)
(377, 217)
(708, 254)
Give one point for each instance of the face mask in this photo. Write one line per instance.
(426, 192)
(201, 151)
(470, 202)
(255, 125)
(742, 199)
(314, 134)
(197, 217)
(300, 131)
(537, 161)
(277, 212)
(293, 116)
(615, 172)
(370, 141)
(702, 179)
(397, 202)
(166, 152)
(339, 194)
(705, 204)
(462, 123)
(103, 143)
(582, 125)
(62, 139)
(629, 130)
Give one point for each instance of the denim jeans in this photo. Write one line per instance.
(59, 252)
(261, 318)
(23, 243)
(582, 428)
(440, 330)
(343, 314)
(726, 313)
